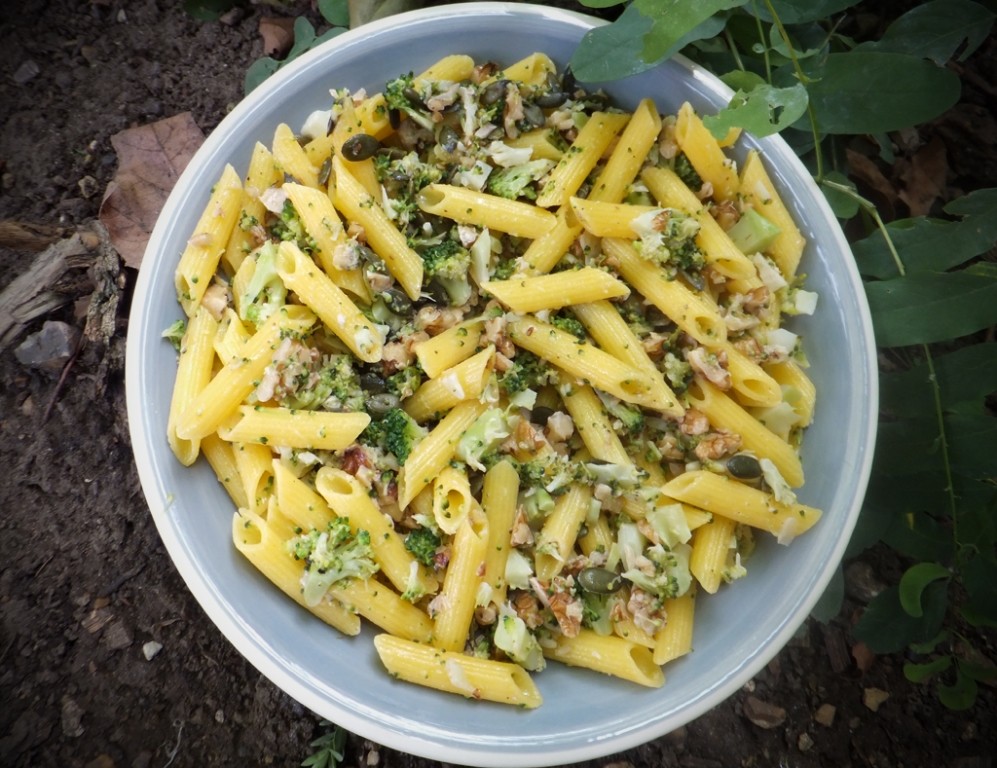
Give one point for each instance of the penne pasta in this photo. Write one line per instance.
(610, 655)
(197, 358)
(269, 425)
(560, 289)
(499, 214)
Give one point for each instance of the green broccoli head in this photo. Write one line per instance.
(518, 180)
(265, 293)
(332, 555)
(396, 432)
(423, 542)
(667, 236)
(334, 387)
(662, 572)
(449, 263)
(528, 371)
(401, 94)
(685, 171)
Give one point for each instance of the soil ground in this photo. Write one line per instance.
(85, 582)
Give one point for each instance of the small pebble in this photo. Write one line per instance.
(150, 649)
(49, 348)
(72, 716)
(873, 698)
(804, 743)
(825, 715)
(219, 716)
(27, 72)
(763, 714)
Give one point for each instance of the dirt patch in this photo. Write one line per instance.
(105, 658)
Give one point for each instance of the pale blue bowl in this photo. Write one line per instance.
(584, 715)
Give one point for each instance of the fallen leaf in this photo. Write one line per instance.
(763, 714)
(277, 34)
(864, 658)
(150, 160)
(865, 171)
(924, 179)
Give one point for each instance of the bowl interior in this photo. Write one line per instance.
(584, 715)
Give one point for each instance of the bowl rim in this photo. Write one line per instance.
(244, 637)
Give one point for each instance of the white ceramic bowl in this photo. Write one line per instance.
(584, 715)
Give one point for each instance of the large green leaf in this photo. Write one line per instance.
(907, 447)
(936, 30)
(675, 19)
(799, 11)
(611, 52)
(886, 628)
(919, 673)
(927, 307)
(964, 378)
(921, 536)
(972, 439)
(762, 110)
(933, 244)
(979, 577)
(913, 583)
(871, 92)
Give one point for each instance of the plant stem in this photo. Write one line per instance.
(936, 392)
(870, 209)
(802, 77)
(761, 40)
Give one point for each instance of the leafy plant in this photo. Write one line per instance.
(335, 12)
(797, 69)
(328, 748)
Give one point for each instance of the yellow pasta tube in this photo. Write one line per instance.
(241, 375)
(627, 628)
(577, 163)
(200, 257)
(197, 357)
(539, 141)
(443, 351)
(231, 336)
(348, 498)
(221, 459)
(314, 430)
(800, 392)
(385, 608)
(631, 150)
(452, 69)
(723, 412)
(710, 546)
(475, 678)
(694, 313)
(255, 465)
(726, 497)
(675, 638)
(758, 190)
(340, 315)
(321, 221)
(542, 255)
(353, 201)
(557, 537)
(262, 174)
(291, 157)
(560, 289)
(456, 602)
(584, 361)
(254, 539)
(452, 499)
(499, 497)
(705, 154)
(603, 322)
(608, 654)
(531, 69)
(348, 125)
(464, 381)
(717, 247)
(500, 214)
(597, 537)
(751, 385)
(593, 424)
(608, 219)
(298, 501)
(434, 452)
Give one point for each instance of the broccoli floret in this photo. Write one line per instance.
(399, 93)
(517, 642)
(668, 237)
(677, 371)
(528, 371)
(478, 444)
(396, 432)
(423, 543)
(265, 293)
(405, 382)
(335, 387)
(662, 572)
(568, 322)
(289, 227)
(684, 170)
(330, 556)
(449, 263)
(518, 180)
(402, 178)
(174, 334)
(629, 416)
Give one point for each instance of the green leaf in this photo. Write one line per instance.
(611, 52)
(208, 10)
(913, 583)
(673, 20)
(829, 604)
(936, 30)
(961, 695)
(965, 377)
(336, 12)
(979, 578)
(844, 205)
(926, 307)
(871, 92)
(929, 646)
(971, 438)
(918, 534)
(919, 673)
(799, 11)
(763, 110)
(886, 628)
(907, 447)
(259, 71)
(933, 244)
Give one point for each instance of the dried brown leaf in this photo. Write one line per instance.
(924, 179)
(277, 34)
(865, 171)
(150, 160)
